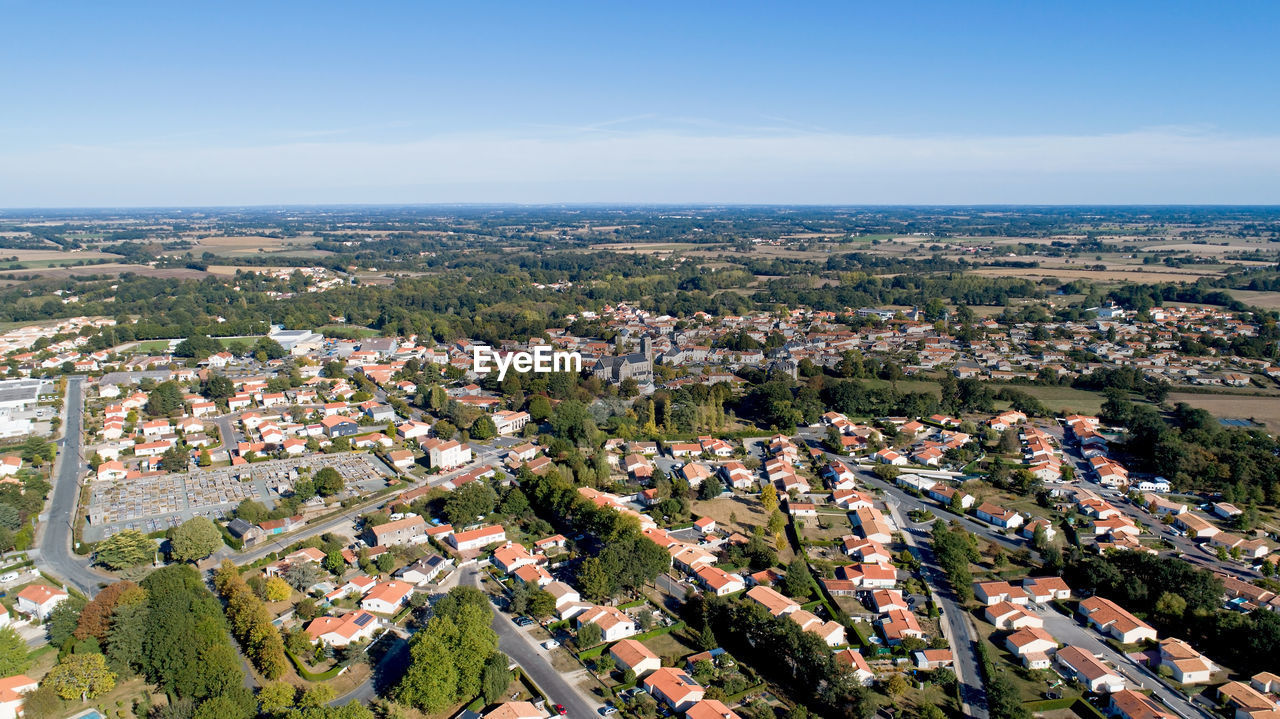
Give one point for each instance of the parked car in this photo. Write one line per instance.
(561, 710)
(550, 644)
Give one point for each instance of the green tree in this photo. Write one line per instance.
(471, 500)
(82, 677)
(165, 399)
(63, 620)
(798, 581)
(589, 635)
(194, 540)
(495, 677)
(539, 408)
(483, 428)
(593, 581)
(13, 653)
(328, 482)
(276, 698)
(126, 548)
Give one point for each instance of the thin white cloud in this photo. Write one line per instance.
(1162, 165)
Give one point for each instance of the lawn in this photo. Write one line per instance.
(671, 645)
(746, 510)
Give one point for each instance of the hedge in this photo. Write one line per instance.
(1076, 704)
(310, 675)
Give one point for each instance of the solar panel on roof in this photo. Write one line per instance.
(363, 619)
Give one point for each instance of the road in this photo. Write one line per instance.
(55, 554)
(957, 628)
(1068, 631)
(956, 619)
(533, 659)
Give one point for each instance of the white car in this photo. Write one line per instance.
(10, 577)
(550, 644)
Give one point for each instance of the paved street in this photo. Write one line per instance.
(533, 659)
(55, 554)
(1068, 631)
(955, 621)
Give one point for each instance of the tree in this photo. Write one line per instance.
(328, 482)
(13, 653)
(317, 696)
(589, 635)
(1171, 607)
(278, 590)
(769, 498)
(542, 603)
(798, 582)
(483, 428)
(82, 677)
(539, 408)
(194, 540)
(592, 580)
(276, 698)
(165, 399)
(63, 620)
(302, 575)
(470, 501)
(495, 678)
(126, 548)
(218, 387)
(710, 488)
(174, 460)
(95, 618)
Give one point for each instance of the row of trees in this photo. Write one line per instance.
(455, 656)
(955, 548)
(784, 654)
(621, 557)
(250, 622)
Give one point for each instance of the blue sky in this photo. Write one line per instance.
(842, 102)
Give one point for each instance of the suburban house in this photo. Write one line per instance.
(410, 530)
(1188, 665)
(343, 630)
(613, 622)
(1109, 618)
(473, 539)
(674, 687)
(1085, 668)
(37, 600)
(425, 570)
(387, 597)
(998, 516)
(630, 654)
(12, 694)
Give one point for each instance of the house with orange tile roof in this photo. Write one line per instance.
(38, 600)
(631, 654)
(777, 604)
(13, 692)
(674, 687)
(343, 630)
(613, 622)
(387, 597)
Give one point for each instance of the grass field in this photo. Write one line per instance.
(1265, 300)
(1061, 399)
(747, 511)
(1265, 410)
(236, 245)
